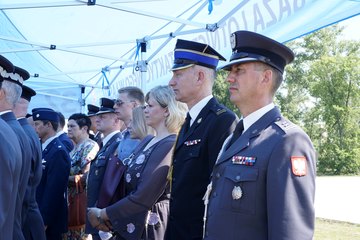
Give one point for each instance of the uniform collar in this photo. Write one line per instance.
(46, 143)
(59, 133)
(196, 109)
(253, 117)
(109, 136)
(3, 112)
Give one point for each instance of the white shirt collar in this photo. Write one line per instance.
(46, 143)
(59, 133)
(3, 112)
(196, 109)
(108, 137)
(253, 117)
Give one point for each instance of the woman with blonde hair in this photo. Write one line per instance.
(143, 213)
(137, 127)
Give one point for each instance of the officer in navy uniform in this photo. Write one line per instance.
(32, 222)
(11, 164)
(107, 123)
(94, 133)
(200, 138)
(51, 193)
(63, 137)
(263, 182)
(12, 87)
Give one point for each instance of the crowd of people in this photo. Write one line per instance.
(171, 164)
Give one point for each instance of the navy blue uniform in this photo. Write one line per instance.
(10, 119)
(66, 141)
(51, 193)
(33, 225)
(194, 156)
(96, 175)
(263, 185)
(10, 170)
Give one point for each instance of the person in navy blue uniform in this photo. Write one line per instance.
(63, 137)
(32, 222)
(51, 193)
(200, 139)
(11, 164)
(12, 87)
(263, 183)
(94, 133)
(108, 123)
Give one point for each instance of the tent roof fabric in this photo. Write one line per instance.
(78, 51)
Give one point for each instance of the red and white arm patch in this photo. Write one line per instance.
(298, 166)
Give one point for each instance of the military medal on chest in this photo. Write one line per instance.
(236, 193)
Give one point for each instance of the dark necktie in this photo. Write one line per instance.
(187, 123)
(237, 132)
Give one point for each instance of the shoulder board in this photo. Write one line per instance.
(285, 124)
(220, 111)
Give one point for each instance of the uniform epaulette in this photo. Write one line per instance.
(220, 111)
(285, 124)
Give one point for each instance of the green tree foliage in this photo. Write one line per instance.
(321, 92)
(221, 91)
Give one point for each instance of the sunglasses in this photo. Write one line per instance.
(118, 102)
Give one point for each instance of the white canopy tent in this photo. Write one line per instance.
(80, 50)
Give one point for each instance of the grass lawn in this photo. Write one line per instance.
(336, 230)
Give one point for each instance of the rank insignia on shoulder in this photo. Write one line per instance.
(220, 111)
(241, 160)
(298, 166)
(192, 142)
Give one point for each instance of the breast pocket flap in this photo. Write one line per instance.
(243, 174)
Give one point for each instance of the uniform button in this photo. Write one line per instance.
(214, 194)
(237, 178)
(217, 175)
(174, 161)
(173, 180)
(96, 172)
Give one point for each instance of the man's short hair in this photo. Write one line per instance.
(134, 93)
(61, 120)
(13, 92)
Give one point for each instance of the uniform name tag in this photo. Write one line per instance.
(241, 160)
(192, 142)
